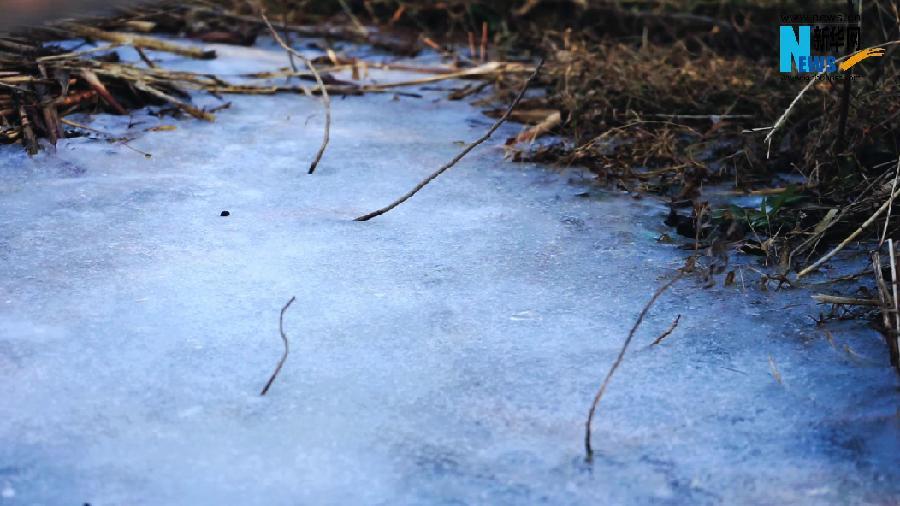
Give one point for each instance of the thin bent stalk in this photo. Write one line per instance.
(326, 100)
(457, 158)
(284, 356)
(589, 452)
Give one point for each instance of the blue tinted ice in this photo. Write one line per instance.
(444, 353)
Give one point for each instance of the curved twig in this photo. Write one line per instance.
(284, 339)
(326, 100)
(667, 332)
(457, 158)
(589, 452)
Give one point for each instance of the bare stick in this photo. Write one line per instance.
(589, 452)
(142, 41)
(787, 111)
(894, 290)
(483, 71)
(846, 301)
(326, 100)
(286, 348)
(95, 83)
(887, 218)
(667, 332)
(883, 294)
(188, 108)
(287, 34)
(30, 141)
(464, 152)
(850, 237)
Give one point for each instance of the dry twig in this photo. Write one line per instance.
(887, 217)
(483, 71)
(30, 139)
(667, 332)
(896, 301)
(589, 452)
(845, 301)
(286, 348)
(141, 41)
(326, 100)
(464, 152)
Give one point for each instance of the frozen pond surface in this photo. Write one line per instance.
(445, 353)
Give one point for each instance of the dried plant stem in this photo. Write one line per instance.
(326, 100)
(888, 306)
(852, 236)
(28, 136)
(188, 108)
(784, 115)
(667, 332)
(91, 78)
(589, 452)
(120, 140)
(883, 293)
(464, 152)
(287, 34)
(896, 300)
(846, 301)
(887, 217)
(284, 339)
(142, 41)
(484, 71)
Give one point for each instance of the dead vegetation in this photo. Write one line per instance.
(588, 448)
(284, 354)
(692, 114)
(326, 101)
(41, 82)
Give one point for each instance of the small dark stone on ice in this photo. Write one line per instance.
(225, 213)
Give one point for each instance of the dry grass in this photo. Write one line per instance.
(656, 111)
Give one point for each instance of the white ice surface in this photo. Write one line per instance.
(445, 353)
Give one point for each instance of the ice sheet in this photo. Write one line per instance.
(445, 353)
